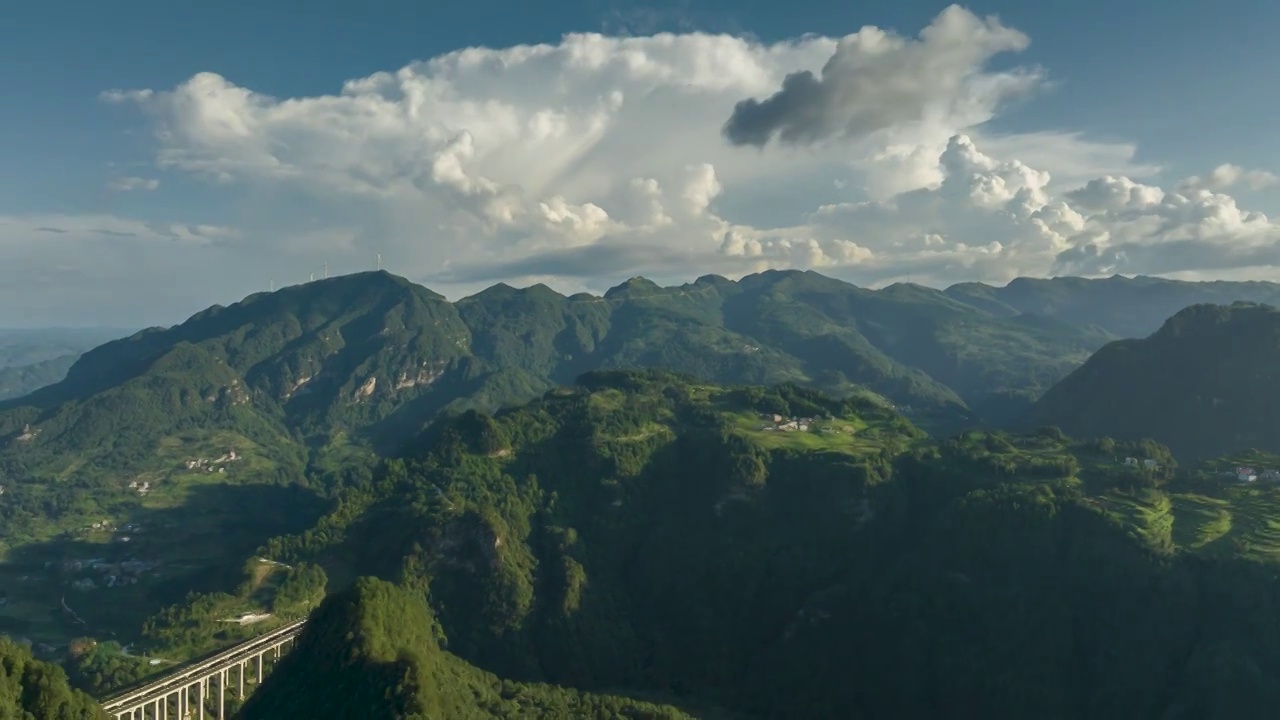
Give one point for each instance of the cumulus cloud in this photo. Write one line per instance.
(1227, 176)
(597, 158)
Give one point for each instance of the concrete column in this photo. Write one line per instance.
(244, 665)
(222, 694)
(156, 708)
(258, 678)
(200, 700)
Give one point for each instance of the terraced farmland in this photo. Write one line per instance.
(1243, 520)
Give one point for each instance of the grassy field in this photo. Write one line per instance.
(853, 436)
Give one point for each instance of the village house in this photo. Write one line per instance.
(1271, 475)
(778, 422)
(1246, 474)
(1131, 461)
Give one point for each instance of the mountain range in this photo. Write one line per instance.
(596, 540)
(372, 357)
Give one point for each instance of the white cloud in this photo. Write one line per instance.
(1227, 176)
(128, 184)
(598, 158)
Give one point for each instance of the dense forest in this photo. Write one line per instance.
(35, 690)
(645, 532)
(372, 652)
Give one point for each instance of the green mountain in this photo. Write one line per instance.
(372, 357)
(649, 535)
(1203, 384)
(1124, 307)
(271, 372)
(39, 690)
(906, 342)
(371, 652)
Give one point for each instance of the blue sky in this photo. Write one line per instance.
(1188, 85)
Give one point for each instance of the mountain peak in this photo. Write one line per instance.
(634, 287)
(713, 280)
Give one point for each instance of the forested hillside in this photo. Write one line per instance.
(35, 690)
(646, 534)
(1205, 385)
(371, 652)
(371, 357)
(375, 357)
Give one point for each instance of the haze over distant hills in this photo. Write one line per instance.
(33, 358)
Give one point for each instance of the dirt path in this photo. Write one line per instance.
(72, 613)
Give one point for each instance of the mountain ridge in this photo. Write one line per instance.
(1211, 394)
(373, 356)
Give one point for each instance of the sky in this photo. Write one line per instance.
(159, 158)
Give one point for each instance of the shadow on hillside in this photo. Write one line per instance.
(156, 556)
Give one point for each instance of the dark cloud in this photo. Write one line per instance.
(59, 231)
(797, 113)
(115, 233)
(877, 79)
